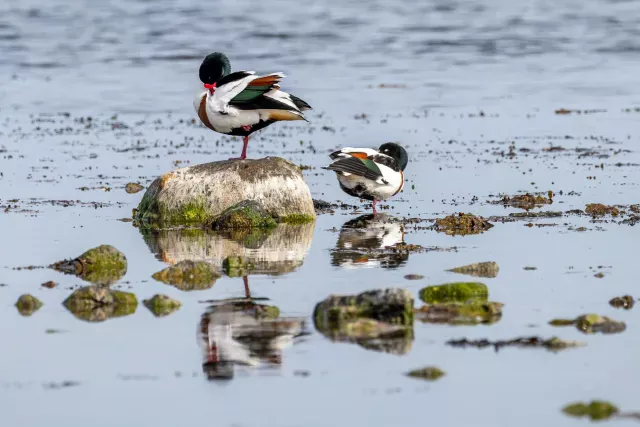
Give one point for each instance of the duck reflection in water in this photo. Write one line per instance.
(366, 240)
(245, 333)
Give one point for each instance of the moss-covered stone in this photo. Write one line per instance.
(161, 305)
(296, 219)
(462, 224)
(592, 323)
(28, 304)
(103, 265)
(596, 410)
(246, 214)
(627, 302)
(235, 266)
(488, 269)
(455, 292)
(598, 209)
(97, 303)
(133, 187)
(429, 373)
(526, 201)
(469, 313)
(188, 275)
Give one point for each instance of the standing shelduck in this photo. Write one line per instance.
(370, 174)
(241, 103)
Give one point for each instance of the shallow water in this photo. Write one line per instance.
(475, 81)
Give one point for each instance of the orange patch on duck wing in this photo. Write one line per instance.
(359, 155)
(282, 115)
(202, 113)
(265, 81)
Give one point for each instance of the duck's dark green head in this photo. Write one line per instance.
(392, 149)
(214, 67)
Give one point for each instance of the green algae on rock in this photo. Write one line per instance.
(595, 410)
(236, 266)
(457, 292)
(97, 303)
(244, 215)
(188, 275)
(488, 269)
(552, 344)
(462, 224)
(627, 302)
(103, 265)
(429, 373)
(469, 313)
(592, 323)
(161, 305)
(197, 195)
(526, 201)
(27, 304)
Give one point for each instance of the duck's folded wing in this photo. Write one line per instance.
(357, 166)
(383, 159)
(263, 93)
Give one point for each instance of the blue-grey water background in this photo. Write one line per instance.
(463, 80)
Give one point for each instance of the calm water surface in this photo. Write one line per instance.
(443, 63)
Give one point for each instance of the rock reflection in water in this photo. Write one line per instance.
(242, 332)
(364, 242)
(277, 251)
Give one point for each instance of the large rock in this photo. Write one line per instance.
(198, 195)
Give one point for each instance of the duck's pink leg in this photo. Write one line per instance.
(374, 206)
(245, 143)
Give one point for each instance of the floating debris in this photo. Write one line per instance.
(63, 384)
(188, 275)
(592, 323)
(103, 265)
(625, 302)
(488, 269)
(545, 214)
(414, 277)
(28, 304)
(596, 410)
(133, 187)
(553, 343)
(598, 209)
(462, 224)
(429, 373)
(50, 284)
(161, 305)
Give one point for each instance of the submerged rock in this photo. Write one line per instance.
(429, 373)
(28, 304)
(198, 195)
(469, 313)
(188, 275)
(487, 269)
(553, 344)
(625, 302)
(97, 304)
(526, 201)
(458, 292)
(380, 320)
(592, 323)
(133, 187)
(596, 410)
(462, 224)
(598, 209)
(161, 305)
(103, 265)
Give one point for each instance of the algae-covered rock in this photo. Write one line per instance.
(429, 373)
(28, 304)
(598, 209)
(526, 201)
(161, 305)
(592, 323)
(133, 187)
(627, 302)
(380, 320)
(488, 269)
(246, 214)
(103, 265)
(391, 305)
(462, 224)
(236, 266)
(188, 275)
(596, 410)
(455, 292)
(97, 304)
(197, 195)
(469, 313)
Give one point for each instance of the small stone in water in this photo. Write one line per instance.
(414, 276)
